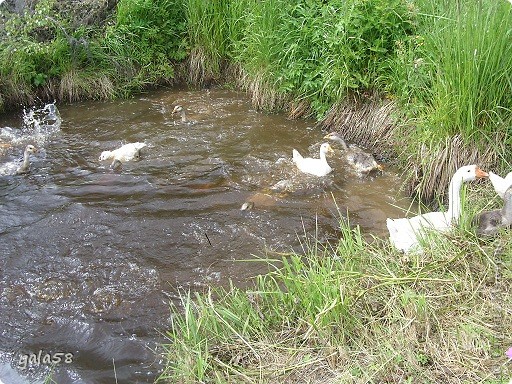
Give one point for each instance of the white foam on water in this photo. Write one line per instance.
(38, 125)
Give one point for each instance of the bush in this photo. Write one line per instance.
(319, 51)
(145, 40)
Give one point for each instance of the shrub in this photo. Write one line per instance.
(145, 39)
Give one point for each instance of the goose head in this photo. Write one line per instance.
(325, 148)
(335, 136)
(105, 155)
(469, 173)
(177, 109)
(30, 149)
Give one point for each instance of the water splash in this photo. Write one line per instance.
(41, 123)
(38, 125)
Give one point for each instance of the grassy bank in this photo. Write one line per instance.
(55, 53)
(356, 312)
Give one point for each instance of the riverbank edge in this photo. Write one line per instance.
(355, 311)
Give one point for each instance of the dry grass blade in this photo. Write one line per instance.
(367, 121)
(432, 167)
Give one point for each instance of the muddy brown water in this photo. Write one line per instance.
(91, 257)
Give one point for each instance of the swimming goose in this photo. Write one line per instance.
(405, 233)
(184, 119)
(489, 222)
(317, 167)
(125, 153)
(500, 184)
(14, 167)
(362, 161)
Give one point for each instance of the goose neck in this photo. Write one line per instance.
(323, 155)
(342, 142)
(454, 203)
(26, 156)
(506, 211)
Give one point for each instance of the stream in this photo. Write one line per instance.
(92, 257)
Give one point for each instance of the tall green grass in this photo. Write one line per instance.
(208, 36)
(309, 50)
(319, 52)
(354, 312)
(459, 91)
(470, 51)
(146, 40)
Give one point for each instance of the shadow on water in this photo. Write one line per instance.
(92, 256)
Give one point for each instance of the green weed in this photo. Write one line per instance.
(355, 311)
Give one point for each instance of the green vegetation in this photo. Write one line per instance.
(146, 41)
(356, 312)
(462, 74)
(319, 52)
(45, 55)
(446, 65)
(470, 53)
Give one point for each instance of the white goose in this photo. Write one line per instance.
(361, 161)
(317, 167)
(14, 167)
(500, 184)
(405, 233)
(125, 153)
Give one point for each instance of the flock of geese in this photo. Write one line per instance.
(361, 161)
(404, 233)
(127, 152)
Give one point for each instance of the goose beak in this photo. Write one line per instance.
(480, 174)
(380, 167)
(328, 136)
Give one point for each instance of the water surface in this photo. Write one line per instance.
(91, 256)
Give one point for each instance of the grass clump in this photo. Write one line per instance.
(471, 57)
(453, 81)
(36, 52)
(49, 55)
(319, 52)
(145, 41)
(308, 51)
(355, 312)
(208, 24)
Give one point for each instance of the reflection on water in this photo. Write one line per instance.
(91, 256)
